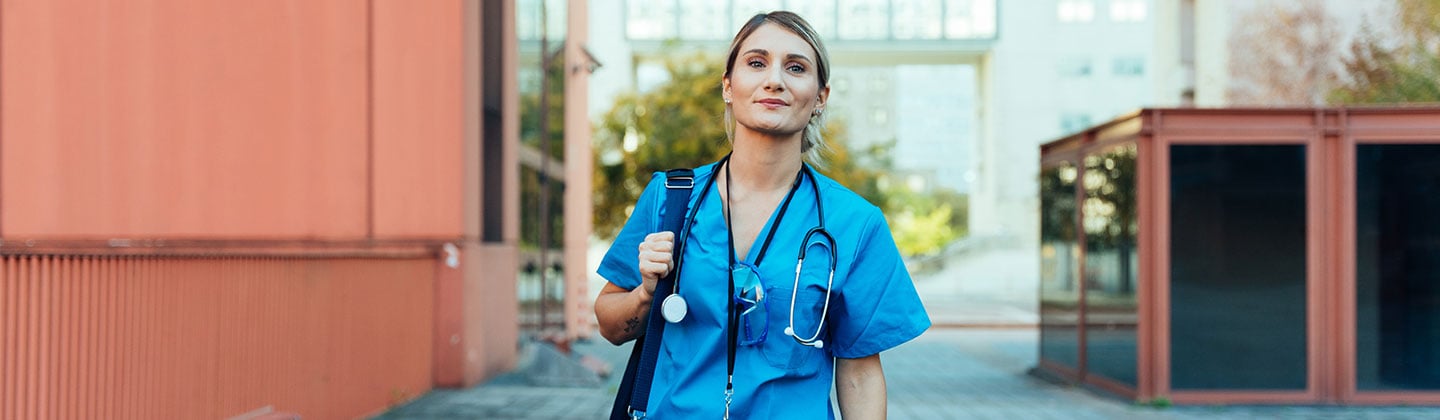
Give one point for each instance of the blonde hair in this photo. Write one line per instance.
(812, 144)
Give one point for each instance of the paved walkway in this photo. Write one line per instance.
(947, 373)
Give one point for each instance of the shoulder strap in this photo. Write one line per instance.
(634, 393)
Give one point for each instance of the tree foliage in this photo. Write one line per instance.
(1282, 53)
(1395, 67)
(923, 223)
(679, 124)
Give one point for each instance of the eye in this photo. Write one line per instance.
(796, 68)
(755, 63)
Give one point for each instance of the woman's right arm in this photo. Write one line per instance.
(621, 313)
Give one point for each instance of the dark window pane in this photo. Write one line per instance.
(1398, 267)
(1237, 273)
(1059, 294)
(1111, 263)
(493, 135)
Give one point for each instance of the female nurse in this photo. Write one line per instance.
(755, 215)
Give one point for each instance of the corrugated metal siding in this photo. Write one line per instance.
(170, 337)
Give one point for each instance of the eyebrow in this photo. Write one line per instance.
(791, 56)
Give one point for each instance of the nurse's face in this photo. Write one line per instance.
(774, 86)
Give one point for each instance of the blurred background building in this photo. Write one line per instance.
(961, 91)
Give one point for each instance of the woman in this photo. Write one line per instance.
(751, 212)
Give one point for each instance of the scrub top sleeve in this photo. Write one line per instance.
(621, 264)
(878, 308)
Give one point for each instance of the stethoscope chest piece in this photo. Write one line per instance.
(674, 308)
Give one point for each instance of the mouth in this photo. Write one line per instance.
(773, 103)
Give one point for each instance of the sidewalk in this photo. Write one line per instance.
(971, 365)
(945, 374)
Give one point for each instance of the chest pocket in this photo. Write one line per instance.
(782, 351)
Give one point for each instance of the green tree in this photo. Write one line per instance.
(680, 124)
(925, 223)
(1395, 68)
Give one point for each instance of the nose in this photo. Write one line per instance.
(775, 79)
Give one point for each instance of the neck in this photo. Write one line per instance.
(761, 162)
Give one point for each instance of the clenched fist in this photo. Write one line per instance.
(655, 258)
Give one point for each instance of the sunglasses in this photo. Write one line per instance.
(750, 301)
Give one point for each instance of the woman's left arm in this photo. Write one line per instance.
(860, 386)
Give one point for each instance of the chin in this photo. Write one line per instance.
(774, 129)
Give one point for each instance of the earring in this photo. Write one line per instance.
(727, 100)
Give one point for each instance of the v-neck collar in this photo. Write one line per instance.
(768, 230)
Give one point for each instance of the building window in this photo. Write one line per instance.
(864, 19)
(1111, 269)
(1238, 267)
(1077, 11)
(1397, 342)
(492, 136)
(916, 19)
(650, 19)
(659, 20)
(1059, 266)
(1129, 66)
(969, 19)
(1127, 10)
(699, 22)
(820, 14)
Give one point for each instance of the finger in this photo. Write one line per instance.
(658, 245)
(654, 269)
(660, 236)
(656, 257)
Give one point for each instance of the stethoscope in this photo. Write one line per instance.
(674, 307)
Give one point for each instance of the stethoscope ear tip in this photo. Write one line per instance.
(819, 344)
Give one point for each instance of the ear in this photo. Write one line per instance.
(824, 98)
(725, 89)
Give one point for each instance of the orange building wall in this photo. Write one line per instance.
(174, 118)
(418, 121)
(330, 134)
(206, 338)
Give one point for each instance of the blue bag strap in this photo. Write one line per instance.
(640, 371)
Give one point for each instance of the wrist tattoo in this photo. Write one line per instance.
(632, 324)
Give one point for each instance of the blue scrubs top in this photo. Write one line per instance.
(873, 303)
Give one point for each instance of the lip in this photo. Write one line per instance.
(772, 103)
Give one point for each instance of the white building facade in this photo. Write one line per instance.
(967, 89)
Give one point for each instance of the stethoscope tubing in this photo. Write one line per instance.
(814, 339)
